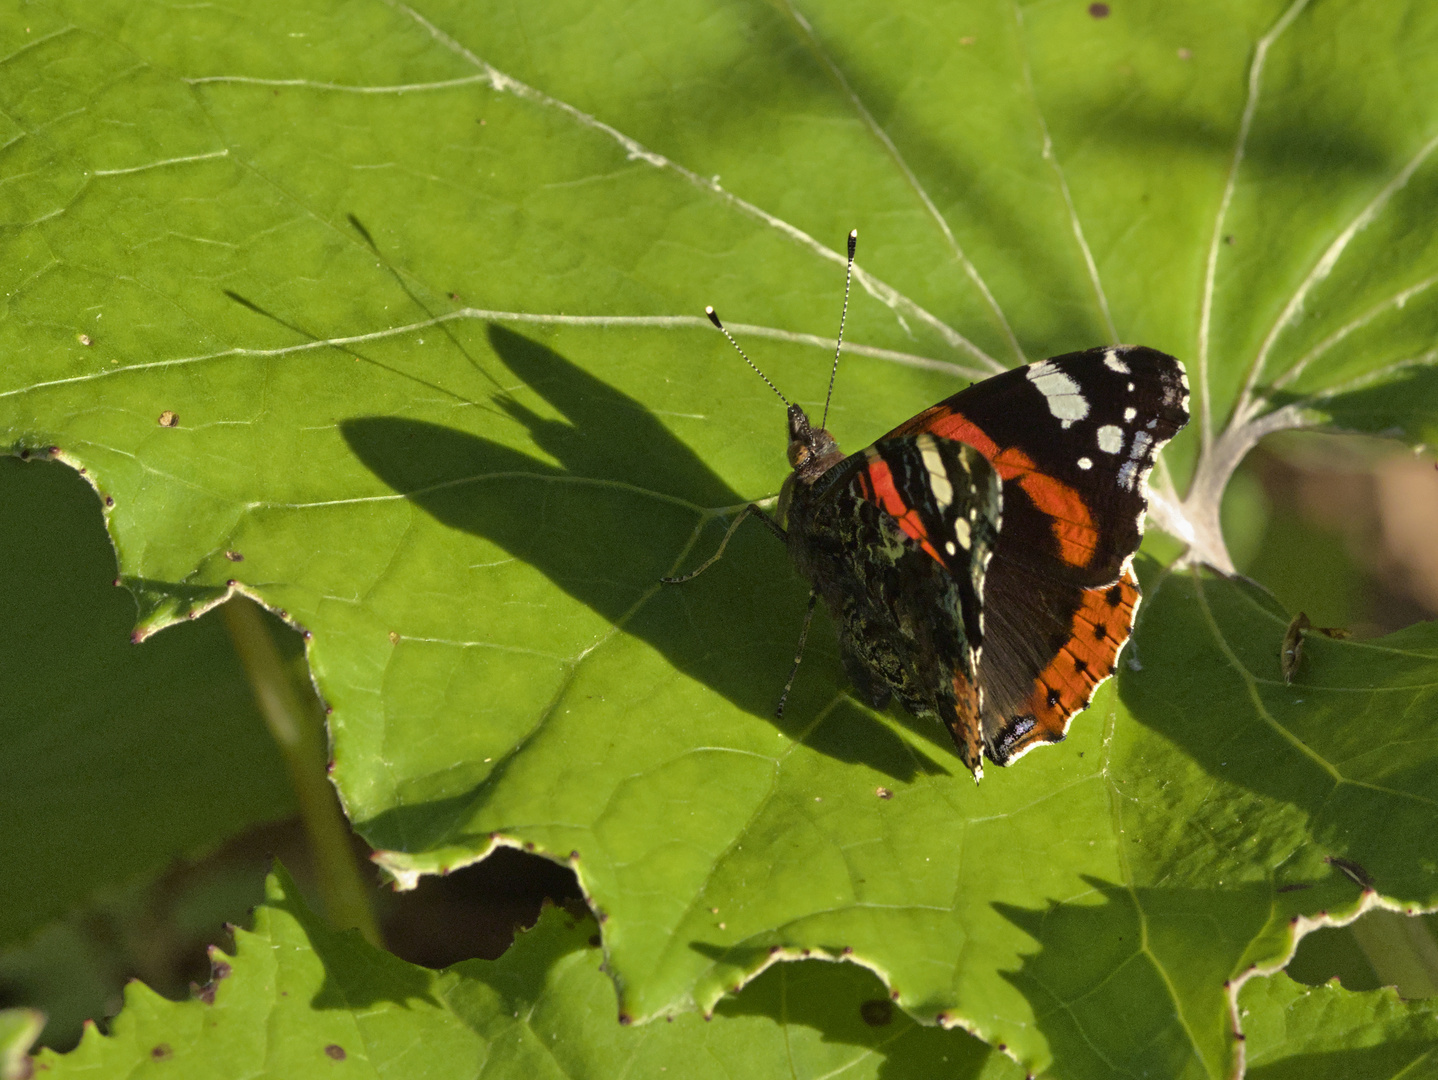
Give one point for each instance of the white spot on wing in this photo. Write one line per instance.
(939, 485)
(1113, 363)
(949, 547)
(1085, 463)
(1127, 473)
(1065, 399)
(1141, 442)
(961, 532)
(1110, 439)
(1129, 414)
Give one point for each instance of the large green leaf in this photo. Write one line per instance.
(420, 285)
(295, 999)
(108, 750)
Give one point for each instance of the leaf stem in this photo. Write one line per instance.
(301, 742)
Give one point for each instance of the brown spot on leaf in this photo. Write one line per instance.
(169, 419)
(161, 1052)
(335, 1052)
(1098, 11)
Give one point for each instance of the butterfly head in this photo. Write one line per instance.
(812, 451)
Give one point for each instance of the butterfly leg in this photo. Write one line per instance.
(707, 563)
(798, 654)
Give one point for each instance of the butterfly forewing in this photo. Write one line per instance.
(1073, 438)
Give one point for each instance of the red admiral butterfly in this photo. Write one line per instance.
(976, 560)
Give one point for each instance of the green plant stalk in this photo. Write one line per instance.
(19, 1028)
(301, 744)
(1402, 951)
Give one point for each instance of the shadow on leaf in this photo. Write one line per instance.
(1396, 1058)
(1350, 743)
(848, 1005)
(1135, 984)
(607, 521)
(1403, 406)
(357, 975)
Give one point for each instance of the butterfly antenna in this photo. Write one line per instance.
(714, 318)
(848, 280)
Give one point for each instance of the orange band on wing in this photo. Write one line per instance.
(892, 503)
(1099, 629)
(1073, 525)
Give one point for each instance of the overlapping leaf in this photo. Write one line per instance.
(419, 286)
(1322, 1032)
(108, 750)
(295, 1000)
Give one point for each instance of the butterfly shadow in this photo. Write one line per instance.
(603, 508)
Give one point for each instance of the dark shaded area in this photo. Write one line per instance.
(1303, 146)
(1189, 691)
(1333, 952)
(474, 912)
(114, 757)
(1098, 996)
(1388, 1059)
(1403, 406)
(585, 527)
(848, 1005)
(160, 932)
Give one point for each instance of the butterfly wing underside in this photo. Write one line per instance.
(1073, 439)
(911, 615)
